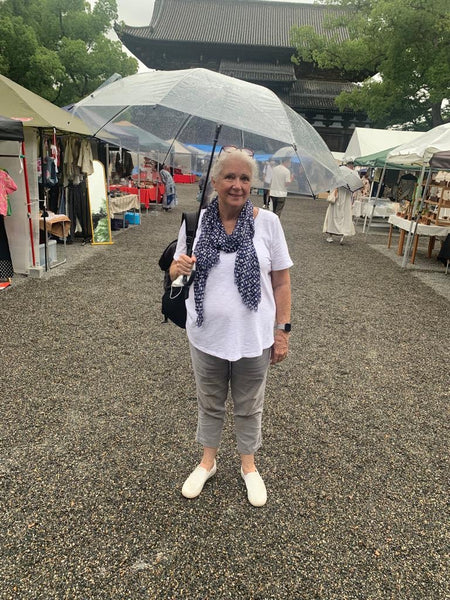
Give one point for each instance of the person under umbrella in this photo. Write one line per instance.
(339, 216)
(238, 313)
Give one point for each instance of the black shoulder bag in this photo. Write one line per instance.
(173, 305)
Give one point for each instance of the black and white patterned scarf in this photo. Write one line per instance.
(213, 239)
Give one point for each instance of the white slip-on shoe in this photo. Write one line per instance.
(256, 489)
(342, 239)
(329, 239)
(196, 480)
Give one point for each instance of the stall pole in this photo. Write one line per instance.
(366, 230)
(44, 212)
(413, 226)
(27, 190)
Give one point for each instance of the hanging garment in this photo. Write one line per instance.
(50, 172)
(72, 171)
(6, 267)
(118, 165)
(7, 185)
(53, 199)
(78, 210)
(85, 158)
(127, 163)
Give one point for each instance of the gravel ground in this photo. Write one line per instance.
(99, 417)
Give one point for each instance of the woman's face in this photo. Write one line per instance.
(233, 183)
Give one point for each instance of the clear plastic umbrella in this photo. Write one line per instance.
(194, 105)
(352, 180)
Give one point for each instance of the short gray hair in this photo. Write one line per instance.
(217, 167)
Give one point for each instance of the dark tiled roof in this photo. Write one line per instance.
(257, 71)
(315, 94)
(243, 22)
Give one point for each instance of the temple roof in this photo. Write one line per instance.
(256, 71)
(241, 22)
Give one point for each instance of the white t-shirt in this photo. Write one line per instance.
(281, 176)
(230, 330)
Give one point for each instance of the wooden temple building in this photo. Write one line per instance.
(250, 40)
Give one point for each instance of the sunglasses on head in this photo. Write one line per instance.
(234, 148)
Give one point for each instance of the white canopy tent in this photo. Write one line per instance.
(432, 144)
(420, 150)
(368, 141)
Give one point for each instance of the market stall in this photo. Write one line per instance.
(147, 195)
(47, 128)
(417, 229)
(12, 151)
(431, 205)
(180, 178)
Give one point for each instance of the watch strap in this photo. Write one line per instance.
(284, 327)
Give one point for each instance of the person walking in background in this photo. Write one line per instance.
(238, 313)
(363, 193)
(169, 196)
(339, 217)
(281, 176)
(267, 179)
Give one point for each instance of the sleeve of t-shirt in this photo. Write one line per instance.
(181, 242)
(280, 252)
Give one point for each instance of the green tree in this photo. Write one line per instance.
(59, 49)
(404, 43)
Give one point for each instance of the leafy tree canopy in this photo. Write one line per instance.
(405, 43)
(59, 49)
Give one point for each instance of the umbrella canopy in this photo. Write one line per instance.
(284, 152)
(11, 130)
(20, 104)
(420, 151)
(135, 138)
(352, 180)
(189, 105)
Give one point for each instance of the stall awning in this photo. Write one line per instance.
(11, 130)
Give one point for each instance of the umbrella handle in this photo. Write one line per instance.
(184, 280)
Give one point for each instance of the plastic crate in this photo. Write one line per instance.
(133, 218)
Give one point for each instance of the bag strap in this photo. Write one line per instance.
(190, 218)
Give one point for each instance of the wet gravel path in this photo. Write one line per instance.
(98, 422)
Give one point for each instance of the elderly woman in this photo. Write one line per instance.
(238, 314)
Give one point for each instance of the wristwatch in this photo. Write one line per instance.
(284, 327)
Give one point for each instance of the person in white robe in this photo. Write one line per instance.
(339, 218)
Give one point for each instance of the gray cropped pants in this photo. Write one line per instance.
(246, 379)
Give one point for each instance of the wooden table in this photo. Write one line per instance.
(120, 204)
(406, 225)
